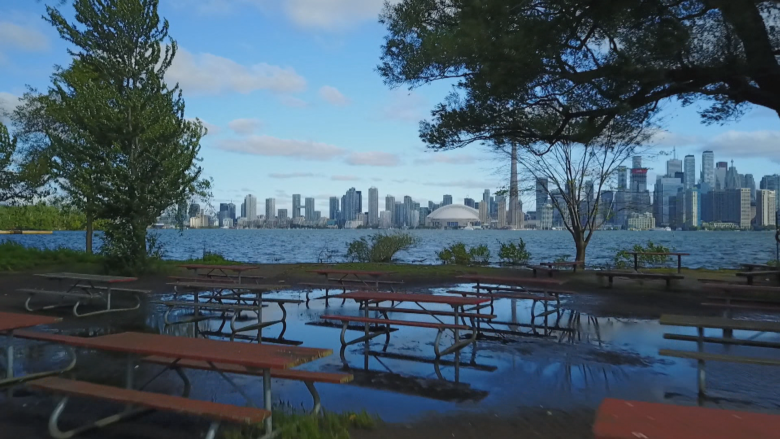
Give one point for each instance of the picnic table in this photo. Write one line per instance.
(367, 298)
(522, 282)
(679, 258)
(180, 351)
(751, 267)
(367, 278)
(84, 288)
(9, 322)
(223, 272)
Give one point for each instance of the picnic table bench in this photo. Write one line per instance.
(11, 323)
(740, 296)
(619, 419)
(84, 288)
(679, 258)
(222, 272)
(259, 359)
(749, 275)
(727, 325)
(611, 275)
(367, 298)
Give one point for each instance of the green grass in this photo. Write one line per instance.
(402, 269)
(292, 424)
(16, 257)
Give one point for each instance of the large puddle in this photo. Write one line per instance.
(573, 360)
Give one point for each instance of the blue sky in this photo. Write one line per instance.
(289, 92)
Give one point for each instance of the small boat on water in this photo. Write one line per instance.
(468, 227)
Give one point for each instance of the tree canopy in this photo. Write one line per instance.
(563, 70)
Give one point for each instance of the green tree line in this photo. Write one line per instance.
(42, 216)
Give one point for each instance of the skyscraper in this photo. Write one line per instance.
(408, 209)
(673, 166)
(446, 200)
(373, 207)
(622, 178)
(708, 168)
(270, 209)
(359, 202)
(296, 205)
(689, 169)
(765, 208)
(486, 199)
(541, 195)
(733, 179)
(737, 209)
(749, 182)
(351, 205)
(250, 206)
(308, 209)
(721, 168)
(501, 217)
(390, 207)
(469, 202)
(333, 212)
(772, 182)
(282, 215)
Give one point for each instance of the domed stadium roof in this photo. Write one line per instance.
(455, 212)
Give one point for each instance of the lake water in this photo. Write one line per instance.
(707, 249)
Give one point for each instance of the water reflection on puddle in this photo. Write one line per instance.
(574, 360)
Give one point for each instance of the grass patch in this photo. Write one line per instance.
(291, 424)
(17, 257)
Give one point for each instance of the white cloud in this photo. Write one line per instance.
(275, 147)
(373, 158)
(245, 127)
(345, 178)
(290, 101)
(405, 106)
(333, 96)
(204, 73)
(332, 14)
(14, 36)
(669, 139)
(468, 184)
(449, 159)
(749, 144)
(292, 175)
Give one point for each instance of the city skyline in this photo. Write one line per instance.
(289, 118)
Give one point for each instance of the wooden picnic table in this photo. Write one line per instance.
(367, 297)
(9, 322)
(252, 356)
(679, 258)
(368, 278)
(574, 264)
(84, 288)
(526, 283)
(219, 271)
(751, 267)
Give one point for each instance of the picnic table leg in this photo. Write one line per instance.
(636, 262)
(9, 359)
(267, 402)
(700, 363)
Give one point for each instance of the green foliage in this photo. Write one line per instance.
(42, 216)
(380, 247)
(625, 260)
(17, 181)
(292, 424)
(562, 258)
(514, 254)
(459, 254)
(15, 256)
(773, 263)
(211, 257)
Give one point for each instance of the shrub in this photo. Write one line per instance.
(625, 260)
(773, 263)
(562, 258)
(514, 254)
(458, 254)
(380, 247)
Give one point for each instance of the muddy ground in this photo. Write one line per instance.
(529, 406)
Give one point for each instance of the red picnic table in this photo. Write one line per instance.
(177, 349)
(9, 322)
(228, 272)
(679, 258)
(618, 419)
(367, 278)
(365, 298)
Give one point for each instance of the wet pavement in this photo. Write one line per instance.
(582, 355)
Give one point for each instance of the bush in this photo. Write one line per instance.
(458, 254)
(380, 247)
(514, 254)
(625, 260)
(773, 263)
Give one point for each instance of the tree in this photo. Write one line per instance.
(145, 153)
(563, 70)
(577, 175)
(19, 181)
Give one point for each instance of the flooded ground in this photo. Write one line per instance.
(589, 350)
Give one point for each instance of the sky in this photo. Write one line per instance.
(289, 92)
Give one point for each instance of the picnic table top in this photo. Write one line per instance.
(518, 281)
(719, 322)
(355, 272)
(236, 268)
(659, 253)
(89, 277)
(411, 297)
(633, 419)
(10, 321)
(217, 286)
(260, 356)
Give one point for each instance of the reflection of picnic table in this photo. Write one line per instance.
(181, 352)
(679, 258)
(9, 322)
(84, 288)
(228, 298)
(369, 298)
(234, 273)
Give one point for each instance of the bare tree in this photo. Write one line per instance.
(577, 175)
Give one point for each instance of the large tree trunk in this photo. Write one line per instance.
(90, 229)
(581, 245)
